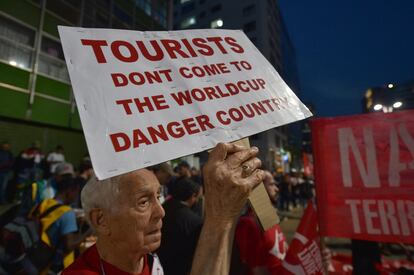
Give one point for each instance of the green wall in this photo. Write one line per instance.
(21, 135)
(14, 76)
(52, 87)
(13, 104)
(50, 112)
(22, 10)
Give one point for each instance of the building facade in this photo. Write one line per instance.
(389, 98)
(261, 21)
(36, 100)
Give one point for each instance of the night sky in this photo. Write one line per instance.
(344, 47)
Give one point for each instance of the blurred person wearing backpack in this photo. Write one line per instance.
(6, 165)
(52, 226)
(42, 189)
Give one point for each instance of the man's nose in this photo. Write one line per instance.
(158, 211)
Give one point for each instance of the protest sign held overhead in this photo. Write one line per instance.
(364, 168)
(148, 97)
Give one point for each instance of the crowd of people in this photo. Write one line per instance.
(66, 203)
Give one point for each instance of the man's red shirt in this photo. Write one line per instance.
(90, 263)
(257, 248)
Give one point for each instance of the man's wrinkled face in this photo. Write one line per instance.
(136, 223)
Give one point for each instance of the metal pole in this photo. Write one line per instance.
(35, 64)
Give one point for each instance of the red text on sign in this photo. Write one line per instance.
(154, 134)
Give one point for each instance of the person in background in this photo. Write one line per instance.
(306, 192)
(181, 228)
(184, 170)
(127, 216)
(196, 175)
(29, 165)
(6, 165)
(54, 158)
(43, 189)
(85, 173)
(164, 174)
(261, 253)
(62, 234)
(285, 189)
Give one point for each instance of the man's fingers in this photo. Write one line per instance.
(220, 152)
(236, 159)
(249, 166)
(255, 179)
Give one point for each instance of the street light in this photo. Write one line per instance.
(390, 85)
(377, 107)
(397, 104)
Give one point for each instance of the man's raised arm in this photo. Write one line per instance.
(230, 174)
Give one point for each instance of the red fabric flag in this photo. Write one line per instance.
(307, 164)
(304, 255)
(364, 176)
(340, 264)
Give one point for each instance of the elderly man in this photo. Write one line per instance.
(127, 216)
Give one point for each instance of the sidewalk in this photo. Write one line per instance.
(290, 221)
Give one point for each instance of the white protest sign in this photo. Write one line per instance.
(148, 97)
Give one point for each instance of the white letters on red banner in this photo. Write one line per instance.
(364, 167)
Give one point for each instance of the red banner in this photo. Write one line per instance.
(341, 264)
(307, 164)
(364, 171)
(304, 255)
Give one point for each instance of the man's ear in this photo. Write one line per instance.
(99, 221)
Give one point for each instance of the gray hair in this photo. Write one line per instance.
(100, 194)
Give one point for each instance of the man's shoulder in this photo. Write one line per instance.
(86, 264)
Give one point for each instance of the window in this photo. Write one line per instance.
(249, 10)
(16, 43)
(16, 32)
(251, 26)
(218, 23)
(118, 24)
(216, 8)
(104, 4)
(65, 9)
(53, 67)
(51, 59)
(187, 8)
(101, 20)
(145, 5)
(15, 55)
(52, 48)
(188, 22)
(124, 17)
